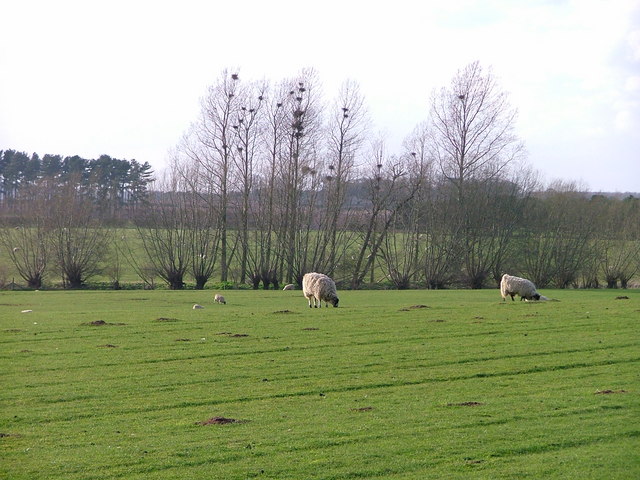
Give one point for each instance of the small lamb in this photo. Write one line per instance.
(219, 299)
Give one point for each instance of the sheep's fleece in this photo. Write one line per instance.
(512, 286)
(319, 287)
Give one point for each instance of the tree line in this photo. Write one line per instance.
(272, 181)
(111, 183)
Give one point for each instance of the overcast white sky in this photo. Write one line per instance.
(125, 78)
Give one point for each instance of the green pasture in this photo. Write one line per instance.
(393, 384)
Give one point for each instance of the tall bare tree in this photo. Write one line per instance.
(248, 127)
(473, 128)
(346, 132)
(265, 251)
(473, 142)
(217, 139)
(299, 167)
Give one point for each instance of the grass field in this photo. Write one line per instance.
(393, 384)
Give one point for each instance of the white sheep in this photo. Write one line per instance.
(289, 286)
(512, 286)
(219, 299)
(319, 287)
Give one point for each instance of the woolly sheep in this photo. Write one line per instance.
(319, 287)
(289, 286)
(219, 299)
(512, 286)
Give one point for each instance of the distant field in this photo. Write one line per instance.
(392, 385)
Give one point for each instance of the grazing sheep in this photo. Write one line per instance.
(289, 286)
(318, 287)
(512, 286)
(219, 299)
(196, 306)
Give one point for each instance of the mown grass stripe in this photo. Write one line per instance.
(342, 389)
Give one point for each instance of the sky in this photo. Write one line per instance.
(125, 78)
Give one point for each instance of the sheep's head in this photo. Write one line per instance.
(334, 301)
(536, 296)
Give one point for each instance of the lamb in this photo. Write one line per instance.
(219, 299)
(289, 286)
(319, 287)
(512, 286)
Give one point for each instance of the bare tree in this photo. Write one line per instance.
(473, 142)
(390, 189)
(617, 237)
(473, 128)
(441, 258)
(559, 237)
(299, 167)
(201, 218)
(79, 242)
(164, 232)
(27, 244)
(216, 144)
(436, 255)
(400, 252)
(264, 250)
(248, 128)
(346, 132)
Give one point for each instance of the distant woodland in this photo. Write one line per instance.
(271, 181)
(109, 182)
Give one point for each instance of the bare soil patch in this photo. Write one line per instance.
(414, 307)
(465, 404)
(622, 297)
(284, 311)
(166, 319)
(363, 409)
(108, 345)
(308, 329)
(609, 392)
(100, 323)
(220, 421)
